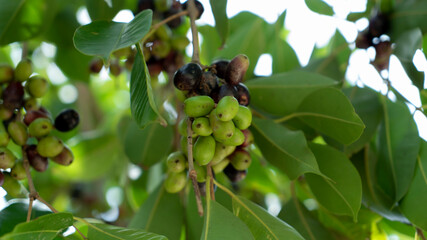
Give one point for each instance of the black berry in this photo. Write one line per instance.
(67, 120)
(220, 67)
(242, 94)
(233, 174)
(188, 76)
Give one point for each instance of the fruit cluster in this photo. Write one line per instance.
(220, 120)
(116, 65)
(28, 125)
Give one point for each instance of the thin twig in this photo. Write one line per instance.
(192, 173)
(193, 13)
(421, 234)
(30, 209)
(164, 21)
(33, 192)
(210, 174)
(24, 50)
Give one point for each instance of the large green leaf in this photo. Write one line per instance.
(367, 104)
(219, 223)
(330, 112)
(142, 102)
(281, 94)
(285, 149)
(16, 213)
(110, 232)
(297, 215)
(406, 45)
(417, 193)
(21, 20)
(319, 6)
(342, 194)
(398, 146)
(101, 10)
(148, 146)
(101, 38)
(161, 213)
(219, 10)
(408, 15)
(45, 227)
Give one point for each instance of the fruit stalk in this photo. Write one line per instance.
(33, 192)
(191, 172)
(193, 15)
(211, 184)
(164, 21)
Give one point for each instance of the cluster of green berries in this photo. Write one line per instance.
(28, 125)
(220, 130)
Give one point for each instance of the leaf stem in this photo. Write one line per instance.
(192, 173)
(420, 234)
(164, 21)
(193, 12)
(288, 117)
(211, 184)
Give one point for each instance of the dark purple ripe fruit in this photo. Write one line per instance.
(96, 65)
(67, 120)
(38, 162)
(187, 76)
(208, 83)
(379, 25)
(199, 6)
(220, 67)
(233, 174)
(242, 94)
(33, 115)
(236, 69)
(13, 95)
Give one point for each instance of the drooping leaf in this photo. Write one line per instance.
(110, 232)
(283, 148)
(143, 106)
(281, 94)
(398, 146)
(45, 227)
(159, 210)
(342, 194)
(219, 223)
(417, 193)
(16, 213)
(330, 112)
(101, 10)
(101, 38)
(319, 6)
(21, 20)
(147, 146)
(219, 10)
(297, 215)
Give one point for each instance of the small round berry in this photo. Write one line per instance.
(65, 158)
(6, 73)
(13, 95)
(40, 127)
(67, 120)
(187, 76)
(7, 159)
(199, 7)
(38, 162)
(18, 171)
(37, 86)
(242, 94)
(23, 70)
(50, 146)
(233, 174)
(220, 67)
(176, 162)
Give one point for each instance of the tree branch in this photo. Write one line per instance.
(193, 13)
(164, 21)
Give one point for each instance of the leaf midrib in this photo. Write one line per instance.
(12, 18)
(329, 117)
(154, 209)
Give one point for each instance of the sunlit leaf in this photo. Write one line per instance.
(319, 6)
(110, 232)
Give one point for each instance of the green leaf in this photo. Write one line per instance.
(406, 45)
(285, 149)
(45, 227)
(417, 192)
(161, 213)
(110, 232)
(408, 15)
(261, 223)
(143, 105)
(16, 213)
(219, 10)
(281, 94)
(330, 112)
(148, 146)
(219, 223)
(21, 20)
(101, 38)
(367, 105)
(398, 146)
(297, 215)
(319, 6)
(342, 194)
(100, 10)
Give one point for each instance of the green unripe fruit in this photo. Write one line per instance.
(182, 128)
(227, 108)
(160, 49)
(18, 132)
(180, 42)
(40, 127)
(123, 52)
(65, 158)
(31, 104)
(7, 159)
(198, 106)
(175, 182)
(237, 139)
(243, 118)
(5, 113)
(162, 5)
(37, 86)
(50, 146)
(219, 167)
(201, 126)
(241, 159)
(6, 73)
(236, 69)
(221, 130)
(13, 187)
(201, 173)
(221, 152)
(23, 70)
(18, 171)
(204, 150)
(176, 162)
(4, 138)
(164, 32)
